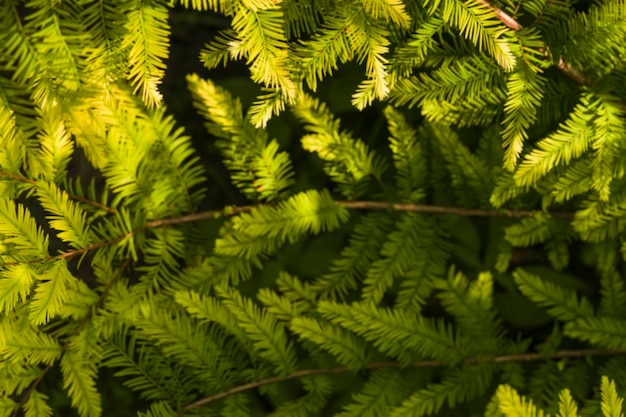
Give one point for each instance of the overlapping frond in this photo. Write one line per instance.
(349, 161)
(147, 38)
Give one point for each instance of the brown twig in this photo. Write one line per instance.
(363, 205)
(460, 211)
(514, 25)
(522, 357)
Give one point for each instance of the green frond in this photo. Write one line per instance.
(203, 350)
(368, 39)
(266, 106)
(397, 257)
(429, 263)
(21, 237)
(147, 39)
(177, 168)
(613, 295)
(22, 343)
(396, 332)
(567, 405)
(268, 336)
(217, 51)
(37, 406)
(345, 347)
(598, 220)
(471, 304)
(216, 5)
(56, 146)
(458, 386)
(262, 41)
(280, 306)
(415, 50)
(408, 157)
(586, 39)
(104, 22)
(608, 126)
(569, 142)
(320, 55)
(525, 91)
(65, 216)
(256, 166)
(162, 253)
(575, 180)
(79, 379)
(611, 401)
(158, 409)
(564, 304)
(356, 258)
(471, 177)
(267, 226)
(478, 23)
(531, 231)
(144, 369)
(302, 17)
(452, 83)
(210, 310)
(388, 10)
(51, 293)
(384, 389)
(15, 285)
(511, 404)
(302, 294)
(606, 332)
(318, 389)
(349, 161)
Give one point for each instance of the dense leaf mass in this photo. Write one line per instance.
(394, 208)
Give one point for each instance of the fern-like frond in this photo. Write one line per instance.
(262, 41)
(366, 241)
(606, 332)
(472, 306)
(52, 293)
(349, 161)
(478, 22)
(569, 142)
(511, 404)
(344, 346)
(563, 303)
(37, 405)
(458, 386)
(147, 38)
(79, 379)
(268, 336)
(453, 83)
(256, 166)
(525, 90)
(396, 332)
(64, 215)
(20, 232)
(384, 389)
(409, 160)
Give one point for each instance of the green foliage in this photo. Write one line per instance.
(301, 260)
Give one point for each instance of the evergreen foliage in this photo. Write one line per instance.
(469, 261)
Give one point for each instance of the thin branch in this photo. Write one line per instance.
(523, 357)
(357, 205)
(423, 208)
(514, 25)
